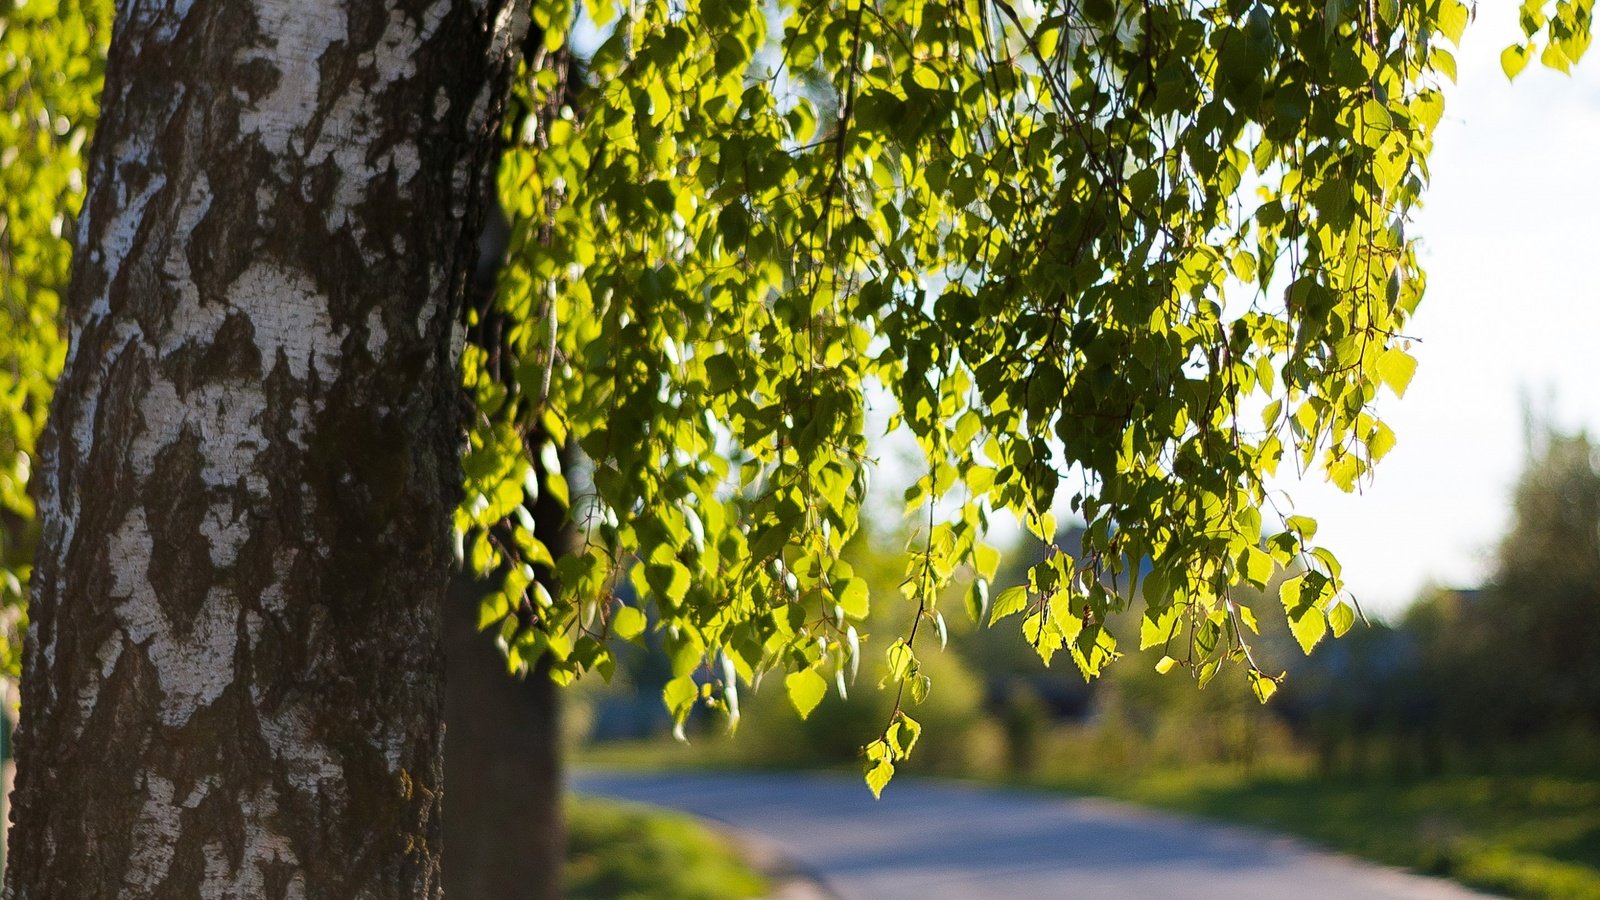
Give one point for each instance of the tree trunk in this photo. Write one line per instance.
(503, 808)
(232, 681)
(505, 828)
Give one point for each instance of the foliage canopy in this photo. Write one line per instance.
(1129, 254)
(1132, 253)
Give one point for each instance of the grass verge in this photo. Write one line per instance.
(1527, 836)
(621, 851)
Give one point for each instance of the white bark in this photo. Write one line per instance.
(247, 479)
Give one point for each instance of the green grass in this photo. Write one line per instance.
(1527, 836)
(619, 851)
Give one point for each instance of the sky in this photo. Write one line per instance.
(1511, 242)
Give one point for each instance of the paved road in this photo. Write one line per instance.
(939, 841)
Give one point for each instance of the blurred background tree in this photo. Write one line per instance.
(1520, 658)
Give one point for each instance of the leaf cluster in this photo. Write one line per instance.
(1122, 257)
(1557, 34)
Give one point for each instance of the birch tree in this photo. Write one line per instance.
(232, 680)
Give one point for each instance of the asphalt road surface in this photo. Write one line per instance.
(928, 840)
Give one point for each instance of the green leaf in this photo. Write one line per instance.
(1453, 17)
(1257, 566)
(1155, 589)
(977, 599)
(1093, 650)
(1304, 526)
(719, 298)
(1269, 415)
(555, 484)
(1445, 62)
(1395, 368)
(1012, 600)
(1334, 13)
(1380, 442)
(670, 581)
(806, 689)
(1165, 664)
(1376, 116)
(1243, 265)
(1306, 620)
(492, 610)
(1342, 617)
(901, 661)
(903, 736)
(853, 598)
(1248, 617)
(1344, 471)
(722, 374)
(1065, 620)
(679, 695)
(1554, 58)
(1158, 625)
(878, 775)
(1514, 59)
(986, 560)
(628, 623)
(1263, 686)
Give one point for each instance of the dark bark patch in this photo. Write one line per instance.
(231, 355)
(175, 503)
(256, 78)
(116, 427)
(234, 353)
(223, 242)
(114, 791)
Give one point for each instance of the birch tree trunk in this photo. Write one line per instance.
(504, 824)
(232, 684)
